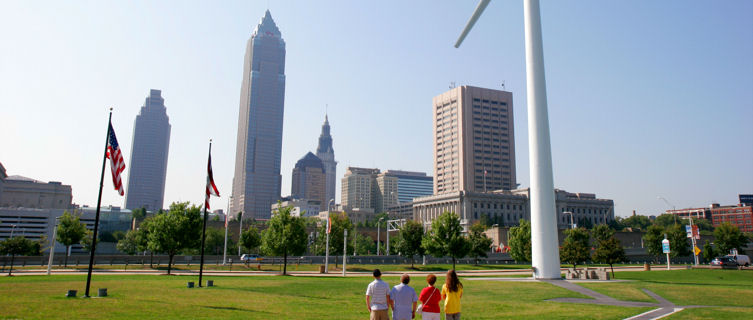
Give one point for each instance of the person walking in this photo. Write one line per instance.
(452, 291)
(403, 300)
(378, 297)
(430, 297)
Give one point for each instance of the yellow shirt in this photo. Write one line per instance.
(452, 299)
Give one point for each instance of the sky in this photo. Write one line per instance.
(646, 99)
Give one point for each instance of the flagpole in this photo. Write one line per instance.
(224, 251)
(99, 204)
(204, 231)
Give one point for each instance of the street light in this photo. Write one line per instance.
(52, 247)
(13, 227)
(379, 224)
(674, 214)
(572, 224)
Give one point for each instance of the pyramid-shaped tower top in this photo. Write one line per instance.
(267, 27)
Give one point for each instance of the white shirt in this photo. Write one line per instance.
(378, 290)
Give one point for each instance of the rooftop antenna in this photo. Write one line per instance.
(503, 84)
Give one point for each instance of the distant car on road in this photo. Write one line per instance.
(250, 258)
(724, 261)
(741, 259)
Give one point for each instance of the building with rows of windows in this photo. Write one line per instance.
(740, 215)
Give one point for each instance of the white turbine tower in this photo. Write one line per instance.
(545, 245)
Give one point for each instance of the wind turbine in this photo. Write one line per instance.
(544, 241)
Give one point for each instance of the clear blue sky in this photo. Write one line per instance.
(646, 98)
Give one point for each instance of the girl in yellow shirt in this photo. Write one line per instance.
(452, 291)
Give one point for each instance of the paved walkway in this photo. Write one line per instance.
(663, 307)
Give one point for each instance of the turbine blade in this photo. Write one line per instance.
(479, 9)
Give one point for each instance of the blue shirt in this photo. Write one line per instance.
(404, 296)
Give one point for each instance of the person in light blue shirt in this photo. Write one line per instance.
(403, 300)
(378, 298)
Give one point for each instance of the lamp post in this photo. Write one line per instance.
(671, 205)
(379, 224)
(572, 224)
(13, 227)
(52, 246)
(240, 230)
(326, 249)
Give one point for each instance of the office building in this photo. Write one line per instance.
(740, 215)
(149, 149)
(507, 207)
(300, 207)
(474, 143)
(309, 180)
(326, 153)
(257, 179)
(359, 188)
(22, 192)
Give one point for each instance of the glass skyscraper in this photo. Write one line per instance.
(149, 148)
(257, 179)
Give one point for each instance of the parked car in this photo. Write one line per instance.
(741, 259)
(250, 258)
(724, 261)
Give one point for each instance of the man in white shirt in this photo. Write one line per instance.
(378, 297)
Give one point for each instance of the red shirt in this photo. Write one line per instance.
(430, 304)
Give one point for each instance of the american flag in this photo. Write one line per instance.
(211, 188)
(117, 164)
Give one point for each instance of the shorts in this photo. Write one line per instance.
(452, 316)
(379, 315)
(430, 315)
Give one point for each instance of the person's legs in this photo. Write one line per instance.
(381, 314)
(452, 316)
(430, 316)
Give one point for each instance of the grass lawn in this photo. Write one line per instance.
(711, 287)
(278, 297)
(166, 297)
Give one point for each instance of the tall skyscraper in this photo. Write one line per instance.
(309, 179)
(474, 142)
(326, 153)
(257, 179)
(151, 142)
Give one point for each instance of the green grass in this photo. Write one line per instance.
(149, 296)
(732, 290)
(278, 297)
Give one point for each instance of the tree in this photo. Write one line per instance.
(86, 242)
(575, 248)
(585, 223)
(340, 222)
(409, 239)
(703, 225)
(285, 235)
(178, 229)
(520, 241)
(637, 222)
(134, 241)
(365, 245)
(652, 241)
(138, 215)
(70, 231)
(215, 241)
(446, 239)
(480, 243)
(678, 241)
(610, 250)
(250, 239)
(18, 246)
(729, 237)
(708, 251)
(666, 220)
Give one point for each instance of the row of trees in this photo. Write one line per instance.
(577, 247)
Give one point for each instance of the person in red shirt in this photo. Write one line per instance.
(430, 297)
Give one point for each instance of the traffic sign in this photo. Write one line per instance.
(696, 250)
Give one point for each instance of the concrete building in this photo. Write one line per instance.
(257, 179)
(149, 150)
(740, 215)
(309, 181)
(474, 142)
(359, 188)
(301, 207)
(506, 208)
(3, 175)
(33, 224)
(355, 215)
(23, 192)
(326, 153)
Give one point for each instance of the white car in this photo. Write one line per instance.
(742, 260)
